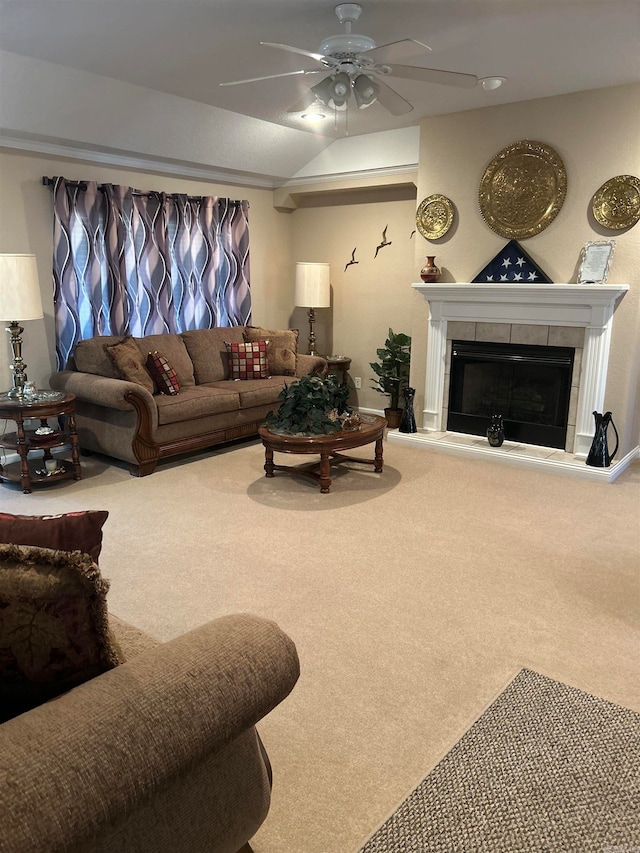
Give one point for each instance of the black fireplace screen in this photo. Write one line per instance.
(528, 385)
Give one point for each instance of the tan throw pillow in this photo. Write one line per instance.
(282, 349)
(130, 363)
(54, 630)
(71, 531)
(248, 361)
(163, 374)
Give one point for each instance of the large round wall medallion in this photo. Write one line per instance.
(434, 216)
(617, 203)
(522, 189)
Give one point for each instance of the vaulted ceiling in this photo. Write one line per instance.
(189, 47)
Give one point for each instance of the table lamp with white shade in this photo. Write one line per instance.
(313, 290)
(19, 300)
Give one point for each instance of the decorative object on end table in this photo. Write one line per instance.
(19, 300)
(434, 216)
(616, 204)
(512, 263)
(392, 373)
(594, 261)
(430, 272)
(312, 406)
(523, 189)
(313, 290)
(495, 432)
(599, 456)
(408, 419)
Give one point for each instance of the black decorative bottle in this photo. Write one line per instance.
(408, 420)
(495, 433)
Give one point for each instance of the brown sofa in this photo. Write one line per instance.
(124, 420)
(158, 754)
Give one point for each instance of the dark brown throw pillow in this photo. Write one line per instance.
(54, 630)
(282, 349)
(163, 374)
(71, 531)
(130, 363)
(248, 361)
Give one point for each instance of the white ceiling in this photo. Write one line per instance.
(188, 47)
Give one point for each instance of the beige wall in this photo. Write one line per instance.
(367, 297)
(26, 226)
(597, 134)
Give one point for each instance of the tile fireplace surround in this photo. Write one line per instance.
(501, 312)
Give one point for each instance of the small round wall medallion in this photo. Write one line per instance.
(434, 216)
(616, 204)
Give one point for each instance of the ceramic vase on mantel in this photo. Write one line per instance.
(430, 272)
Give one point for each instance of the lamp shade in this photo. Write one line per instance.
(19, 288)
(313, 288)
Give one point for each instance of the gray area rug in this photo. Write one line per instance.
(545, 768)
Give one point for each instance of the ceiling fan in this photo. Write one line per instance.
(356, 67)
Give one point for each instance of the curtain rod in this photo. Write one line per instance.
(82, 185)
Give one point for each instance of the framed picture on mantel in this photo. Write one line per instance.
(594, 261)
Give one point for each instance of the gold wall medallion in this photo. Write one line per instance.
(616, 204)
(522, 189)
(434, 216)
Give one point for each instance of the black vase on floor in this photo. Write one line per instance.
(408, 420)
(599, 456)
(495, 433)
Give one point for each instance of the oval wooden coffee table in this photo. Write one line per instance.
(328, 447)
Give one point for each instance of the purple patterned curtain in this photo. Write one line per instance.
(126, 262)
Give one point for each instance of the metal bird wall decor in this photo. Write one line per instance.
(384, 243)
(353, 260)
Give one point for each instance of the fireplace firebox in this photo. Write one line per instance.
(528, 385)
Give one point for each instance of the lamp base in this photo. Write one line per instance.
(312, 334)
(17, 366)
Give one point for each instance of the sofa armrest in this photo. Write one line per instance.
(100, 390)
(73, 766)
(311, 365)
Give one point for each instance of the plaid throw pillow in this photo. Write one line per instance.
(248, 361)
(163, 374)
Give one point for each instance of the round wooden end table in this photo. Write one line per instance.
(328, 447)
(48, 404)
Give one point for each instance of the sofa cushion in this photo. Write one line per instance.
(248, 360)
(173, 349)
(254, 392)
(208, 352)
(53, 625)
(163, 374)
(282, 348)
(130, 363)
(196, 402)
(90, 356)
(71, 531)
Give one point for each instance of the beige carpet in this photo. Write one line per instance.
(414, 597)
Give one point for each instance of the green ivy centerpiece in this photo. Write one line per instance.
(313, 406)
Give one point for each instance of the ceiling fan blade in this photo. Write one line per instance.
(319, 57)
(268, 77)
(433, 75)
(391, 100)
(305, 101)
(394, 51)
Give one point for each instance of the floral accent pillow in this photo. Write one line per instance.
(282, 348)
(54, 630)
(130, 363)
(163, 374)
(248, 360)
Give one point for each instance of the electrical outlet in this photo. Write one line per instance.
(357, 381)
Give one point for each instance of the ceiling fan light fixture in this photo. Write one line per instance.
(322, 90)
(491, 83)
(365, 91)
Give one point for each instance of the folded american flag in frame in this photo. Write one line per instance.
(512, 264)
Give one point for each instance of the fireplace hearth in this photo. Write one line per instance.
(529, 386)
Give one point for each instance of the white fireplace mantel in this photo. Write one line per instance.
(589, 306)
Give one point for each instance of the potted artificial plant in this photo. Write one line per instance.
(313, 406)
(392, 373)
